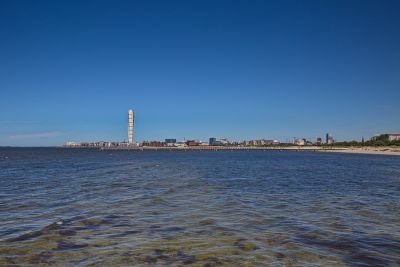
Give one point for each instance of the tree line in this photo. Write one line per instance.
(380, 140)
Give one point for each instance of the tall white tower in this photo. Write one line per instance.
(131, 119)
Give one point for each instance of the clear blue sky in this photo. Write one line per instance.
(70, 70)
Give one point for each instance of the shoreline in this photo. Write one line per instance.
(391, 151)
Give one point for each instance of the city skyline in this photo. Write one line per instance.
(194, 70)
(129, 136)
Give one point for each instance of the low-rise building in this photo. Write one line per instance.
(212, 141)
(152, 143)
(192, 143)
(300, 142)
(72, 144)
(394, 137)
(271, 142)
(180, 145)
(224, 141)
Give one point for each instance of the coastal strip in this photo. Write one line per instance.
(352, 150)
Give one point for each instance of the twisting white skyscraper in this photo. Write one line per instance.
(131, 119)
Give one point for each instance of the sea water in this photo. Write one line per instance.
(200, 208)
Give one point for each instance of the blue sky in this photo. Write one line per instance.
(70, 70)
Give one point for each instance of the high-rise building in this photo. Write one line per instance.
(131, 120)
(329, 139)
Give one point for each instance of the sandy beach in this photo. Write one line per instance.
(366, 150)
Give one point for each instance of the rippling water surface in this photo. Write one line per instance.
(86, 207)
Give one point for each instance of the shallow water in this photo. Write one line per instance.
(201, 208)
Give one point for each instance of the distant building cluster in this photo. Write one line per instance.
(99, 144)
(172, 142)
(106, 144)
(318, 141)
(212, 142)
